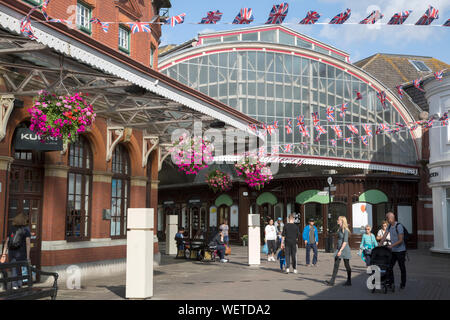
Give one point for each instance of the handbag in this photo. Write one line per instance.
(227, 250)
(265, 249)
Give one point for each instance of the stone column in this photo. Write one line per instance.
(171, 230)
(254, 240)
(139, 276)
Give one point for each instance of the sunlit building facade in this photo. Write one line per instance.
(274, 75)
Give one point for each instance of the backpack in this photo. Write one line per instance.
(15, 242)
(406, 234)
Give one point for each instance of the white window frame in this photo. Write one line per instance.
(83, 22)
(420, 61)
(124, 31)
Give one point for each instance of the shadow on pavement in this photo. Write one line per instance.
(295, 292)
(117, 290)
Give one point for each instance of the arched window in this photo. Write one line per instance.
(120, 192)
(79, 191)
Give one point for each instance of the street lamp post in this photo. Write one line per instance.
(329, 244)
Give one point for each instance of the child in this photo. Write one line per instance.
(282, 257)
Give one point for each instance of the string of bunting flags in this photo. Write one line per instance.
(380, 129)
(277, 15)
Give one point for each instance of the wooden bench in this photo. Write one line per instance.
(26, 291)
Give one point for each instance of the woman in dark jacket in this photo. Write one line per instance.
(219, 241)
(21, 252)
(343, 252)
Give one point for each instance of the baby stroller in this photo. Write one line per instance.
(381, 257)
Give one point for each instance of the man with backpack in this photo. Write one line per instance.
(399, 237)
(17, 245)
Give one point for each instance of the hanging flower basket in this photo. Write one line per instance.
(219, 181)
(62, 117)
(255, 173)
(192, 154)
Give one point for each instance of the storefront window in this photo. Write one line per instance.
(120, 192)
(78, 193)
(336, 210)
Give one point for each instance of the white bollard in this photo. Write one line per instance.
(254, 240)
(139, 277)
(171, 230)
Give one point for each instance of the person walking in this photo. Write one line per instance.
(279, 225)
(289, 240)
(368, 242)
(270, 235)
(17, 245)
(311, 238)
(224, 227)
(381, 233)
(342, 253)
(398, 247)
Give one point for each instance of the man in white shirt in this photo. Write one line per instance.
(270, 233)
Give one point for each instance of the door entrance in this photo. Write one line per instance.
(26, 184)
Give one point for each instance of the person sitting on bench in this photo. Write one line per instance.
(218, 241)
(179, 238)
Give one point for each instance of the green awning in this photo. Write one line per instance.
(224, 199)
(311, 196)
(373, 196)
(266, 197)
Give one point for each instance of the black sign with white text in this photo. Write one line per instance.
(28, 140)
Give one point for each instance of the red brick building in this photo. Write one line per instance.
(66, 194)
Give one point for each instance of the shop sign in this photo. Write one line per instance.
(434, 174)
(28, 140)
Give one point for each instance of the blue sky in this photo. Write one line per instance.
(358, 40)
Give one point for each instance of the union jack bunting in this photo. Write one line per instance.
(25, 27)
(275, 124)
(352, 128)
(262, 151)
(288, 126)
(349, 140)
(212, 17)
(245, 16)
(373, 17)
(382, 96)
(344, 108)
(44, 9)
(401, 125)
(333, 142)
(315, 117)
(444, 117)
(428, 17)
(341, 17)
(338, 131)
(320, 130)
(384, 127)
(416, 84)
(330, 114)
(429, 123)
(253, 127)
(278, 13)
(311, 18)
(179, 19)
(139, 27)
(304, 131)
(288, 148)
(95, 20)
(400, 17)
(275, 149)
(364, 140)
(368, 130)
(439, 75)
(269, 129)
(400, 91)
(105, 26)
(358, 95)
(447, 23)
(300, 121)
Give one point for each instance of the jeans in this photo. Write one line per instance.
(400, 257)
(272, 246)
(221, 251)
(226, 239)
(312, 246)
(291, 253)
(14, 273)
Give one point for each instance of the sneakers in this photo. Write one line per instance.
(15, 288)
(287, 270)
(308, 265)
(223, 260)
(295, 271)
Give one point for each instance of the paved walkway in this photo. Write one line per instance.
(428, 278)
